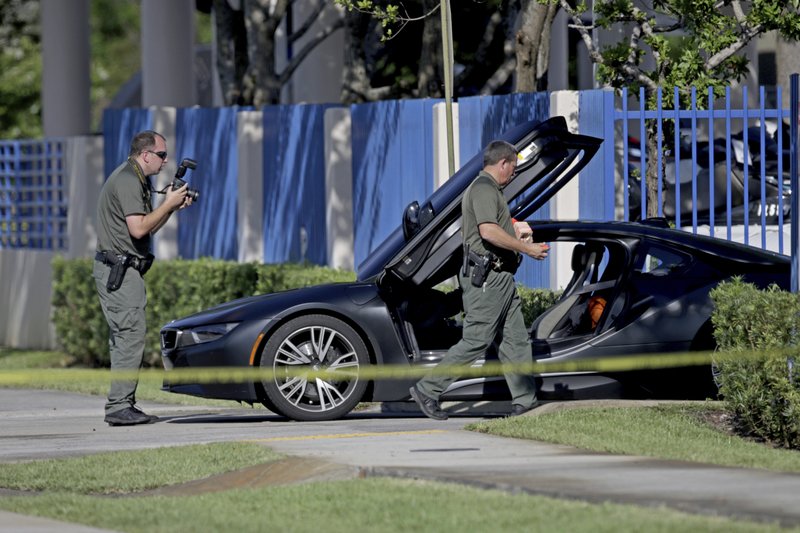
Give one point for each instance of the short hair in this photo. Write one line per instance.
(143, 141)
(498, 151)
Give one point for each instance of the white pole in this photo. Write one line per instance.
(447, 52)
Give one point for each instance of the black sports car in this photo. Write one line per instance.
(636, 288)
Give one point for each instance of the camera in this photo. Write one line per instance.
(179, 182)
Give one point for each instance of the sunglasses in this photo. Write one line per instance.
(162, 155)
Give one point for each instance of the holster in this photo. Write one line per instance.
(482, 264)
(117, 272)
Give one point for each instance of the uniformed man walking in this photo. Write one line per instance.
(126, 222)
(493, 306)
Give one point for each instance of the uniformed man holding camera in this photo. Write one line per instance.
(126, 222)
(493, 243)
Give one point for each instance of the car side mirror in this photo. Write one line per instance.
(415, 218)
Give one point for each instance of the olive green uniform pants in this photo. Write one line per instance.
(124, 312)
(490, 309)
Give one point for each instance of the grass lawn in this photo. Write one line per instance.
(149, 388)
(77, 490)
(669, 432)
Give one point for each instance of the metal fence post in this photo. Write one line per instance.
(793, 80)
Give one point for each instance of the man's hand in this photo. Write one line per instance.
(536, 250)
(177, 199)
(497, 236)
(140, 225)
(523, 231)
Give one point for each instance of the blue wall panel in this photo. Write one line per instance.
(596, 118)
(119, 127)
(209, 227)
(392, 166)
(484, 118)
(294, 184)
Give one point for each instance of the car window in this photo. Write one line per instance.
(660, 262)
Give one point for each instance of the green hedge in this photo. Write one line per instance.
(536, 301)
(762, 392)
(175, 289)
(179, 288)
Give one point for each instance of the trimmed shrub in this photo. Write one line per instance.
(175, 289)
(536, 301)
(78, 319)
(762, 392)
(178, 288)
(283, 276)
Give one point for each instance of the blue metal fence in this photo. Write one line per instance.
(33, 195)
(722, 166)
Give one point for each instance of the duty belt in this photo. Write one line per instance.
(111, 259)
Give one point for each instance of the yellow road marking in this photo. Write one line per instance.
(351, 435)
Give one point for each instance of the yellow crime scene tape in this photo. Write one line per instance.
(651, 361)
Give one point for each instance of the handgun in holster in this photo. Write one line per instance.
(481, 265)
(117, 273)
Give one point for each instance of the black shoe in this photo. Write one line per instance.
(517, 410)
(127, 417)
(428, 406)
(152, 418)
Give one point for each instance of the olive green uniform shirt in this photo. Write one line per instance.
(126, 192)
(484, 202)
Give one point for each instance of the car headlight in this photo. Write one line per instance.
(205, 333)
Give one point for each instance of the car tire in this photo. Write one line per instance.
(314, 342)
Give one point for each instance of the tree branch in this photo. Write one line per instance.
(307, 49)
(312, 17)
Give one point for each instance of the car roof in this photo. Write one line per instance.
(657, 231)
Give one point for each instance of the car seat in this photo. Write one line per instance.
(586, 260)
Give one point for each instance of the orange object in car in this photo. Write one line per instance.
(596, 306)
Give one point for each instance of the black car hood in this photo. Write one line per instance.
(267, 306)
(430, 232)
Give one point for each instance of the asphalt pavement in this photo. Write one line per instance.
(401, 443)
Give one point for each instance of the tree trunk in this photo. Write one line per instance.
(533, 46)
(651, 169)
(511, 12)
(430, 79)
(262, 18)
(231, 42)
(355, 80)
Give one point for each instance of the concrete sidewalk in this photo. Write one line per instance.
(17, 523)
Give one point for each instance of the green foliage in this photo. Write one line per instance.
(712, 36)
(536, 301)
(283, 276)
(80, 326)
(116, 49)
(20, 107)
(175, 289)
(115, 59)
(387, 15)
(763, 393)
